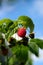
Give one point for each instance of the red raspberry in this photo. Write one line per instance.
(21, 32)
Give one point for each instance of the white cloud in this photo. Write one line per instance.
(36, 7)
(4, 10)
(8, 8)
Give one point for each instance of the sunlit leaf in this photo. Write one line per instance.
(26, 22)
(7, 21)
(11, 32)
(5, 24)
(15, 23)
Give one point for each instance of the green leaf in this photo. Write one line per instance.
(21, 53)
(33, 48)
(11, 61)
(26, 22)
(5, 21)
(39, 42)
(13, 25)
(10, 33)
(5, 24)
(12, 29)
(29, 61)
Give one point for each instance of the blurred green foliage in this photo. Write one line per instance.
(21, 50)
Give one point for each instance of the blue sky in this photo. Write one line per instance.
(31, 8)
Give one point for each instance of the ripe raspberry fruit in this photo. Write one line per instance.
(21, 32)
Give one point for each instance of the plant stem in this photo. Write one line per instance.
(7, 60)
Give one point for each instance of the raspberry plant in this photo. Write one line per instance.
(18, 52)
